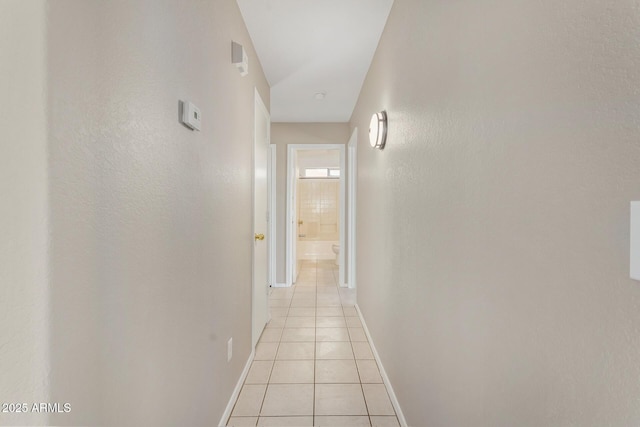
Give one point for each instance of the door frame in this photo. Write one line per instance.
(272, 218)
(352, 182)
(292, 149)
(259, 108)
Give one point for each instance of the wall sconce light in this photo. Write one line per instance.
(378, 130)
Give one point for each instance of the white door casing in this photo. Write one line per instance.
(272, 214)
(260, 308)
(352, 174)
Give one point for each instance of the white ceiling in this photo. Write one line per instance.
(311, 46)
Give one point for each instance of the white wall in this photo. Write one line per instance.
(493, 228)
(283, 134)
(150, 223)
(23, 209)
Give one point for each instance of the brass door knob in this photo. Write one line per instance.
(300, 222)
(259, 237)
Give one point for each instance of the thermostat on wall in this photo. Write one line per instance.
(191, 116)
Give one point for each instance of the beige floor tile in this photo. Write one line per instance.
(330, 322)
(281, 292)
(329, 283)
(336, 371)
(296, 351)
(306, 293)
(341, 421)
(306, 284)
(307, 274)
(329, 290)
(249, 401)
(301, 296)
(322, 302)
(242, 421)
(266, 351)
(278, 312)
(357, 334)
(384, 421)
(271, 335)
(276, 322)
(300, 322)
(279, 303)
(299, 335)
(285, 421)
(350, 311)
(330, 311)
(348, 297)
(259, 372)
(307, 302)
(332, 298)
(377, 399)
(332, 334)
(334, 350)
(362, 350)
(348, 301)
(302, 312)
(339, 399)
(288, 399)
(292, 372)
(324, 293)
(368, 370)
(353, 322)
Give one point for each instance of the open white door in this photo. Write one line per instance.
(260, 308)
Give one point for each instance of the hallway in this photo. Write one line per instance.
(313, 365)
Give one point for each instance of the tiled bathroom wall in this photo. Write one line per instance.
(318, 209)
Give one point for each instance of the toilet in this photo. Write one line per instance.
(336, 250)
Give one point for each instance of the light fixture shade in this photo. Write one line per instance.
(378, 130)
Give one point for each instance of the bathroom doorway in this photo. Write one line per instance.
(316, 208)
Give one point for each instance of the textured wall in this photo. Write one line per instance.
(493, 229)
(283, 134)
(23, 209)
(151, 222)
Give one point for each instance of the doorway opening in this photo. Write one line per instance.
(316, 193)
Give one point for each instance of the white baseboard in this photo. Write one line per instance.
(279, 285)
(383, 373)
(236, 391)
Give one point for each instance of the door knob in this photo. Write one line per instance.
(300, 222)
(259, 237)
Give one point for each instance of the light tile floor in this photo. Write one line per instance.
(313, 365)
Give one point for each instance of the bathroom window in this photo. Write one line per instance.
(331, 173)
